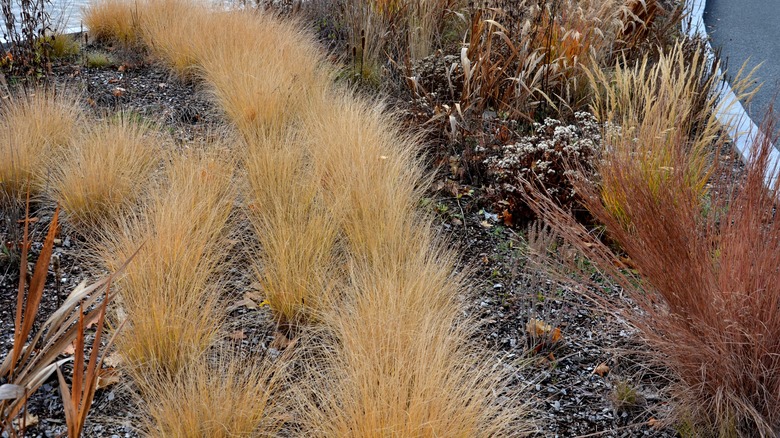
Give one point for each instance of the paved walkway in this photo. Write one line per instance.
(749, 30)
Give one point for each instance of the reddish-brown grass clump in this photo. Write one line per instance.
(706, 295)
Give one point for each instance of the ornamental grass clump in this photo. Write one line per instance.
(262, 92)
(296, 234)
(113, 21)
(104, 171)
(651, 111)
(398, 359)
(219, 395)
(170, 294)
(372, 176)
(169, 30)
(704, 280)
(35, 125)
(401, 363)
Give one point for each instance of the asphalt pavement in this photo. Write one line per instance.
(749, 31)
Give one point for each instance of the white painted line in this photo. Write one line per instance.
(731, 113)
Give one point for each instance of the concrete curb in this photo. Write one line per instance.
(731, 113)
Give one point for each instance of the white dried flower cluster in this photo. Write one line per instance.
(544, 155)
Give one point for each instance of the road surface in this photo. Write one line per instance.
(749, 31)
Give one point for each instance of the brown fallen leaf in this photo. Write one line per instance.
(106, 377)
(237, 335)
(27, 420)
(654, 423)
(601, 369)
(69, 349)
(92, 321)
(246, 302)
(536, 327)
(113, 360)
(506, 216)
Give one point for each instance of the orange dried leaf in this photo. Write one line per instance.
(537, 328)
(602, 369)
(556, 334)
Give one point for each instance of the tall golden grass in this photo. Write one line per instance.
(113, 21)
(402, 365)
(263, 73)
(35, 125)
(104, 171)
(225, 396)
(372, 175)
(332, 192)
(297, 235)
(170, 294)
(169, 29)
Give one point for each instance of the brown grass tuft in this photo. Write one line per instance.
(261, 92)
(223, 397)
(402, 364)
(296, 234)
(371, 175)
(170, 28)
(113, 21)
(34, 125)
(170, 294)
(103, 171)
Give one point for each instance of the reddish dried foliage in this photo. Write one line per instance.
(708, 289)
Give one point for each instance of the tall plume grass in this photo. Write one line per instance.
(35, 125)
(104, 171)
(530, 58)
(705, 298)
(170, 295)
(378, 29)
(668, 105)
